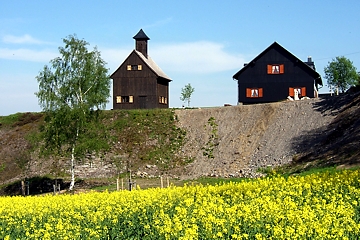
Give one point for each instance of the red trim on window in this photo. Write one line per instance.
(254, 92)
(281, 68)
(260, 92)
(269, 69)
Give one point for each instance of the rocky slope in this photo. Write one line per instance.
(249, 136)
(257, 136)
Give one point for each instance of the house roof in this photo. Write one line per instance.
(315, 74)
(152, 65)
(141, 36)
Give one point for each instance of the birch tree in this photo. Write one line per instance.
(186, 93)
(72, 91)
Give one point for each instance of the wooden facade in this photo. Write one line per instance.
(276, 74)
(139, 83)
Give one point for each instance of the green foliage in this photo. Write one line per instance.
(148, 135)
(19, 119)
(341, 73)
(186, 93)
(72, 90)
(9, 120)
(213, 140)
(267, 170)
(2, 167)
(215, 181)
(304, 169)
(77, 80)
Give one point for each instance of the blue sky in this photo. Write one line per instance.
(203, 43)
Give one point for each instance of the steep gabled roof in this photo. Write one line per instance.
(152, 65)
(315, 74)
(149, 62)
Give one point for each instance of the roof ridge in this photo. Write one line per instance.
(151, 64)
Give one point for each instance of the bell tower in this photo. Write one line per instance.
(141, 42)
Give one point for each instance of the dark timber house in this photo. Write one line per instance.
(276, 74)
(139, 82)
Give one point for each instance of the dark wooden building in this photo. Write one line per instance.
(276, 74)
(139, 82)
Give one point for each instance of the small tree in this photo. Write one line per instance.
(71, 91)
(186, 93)
(341, 73)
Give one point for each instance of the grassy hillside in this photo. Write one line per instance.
(15, 150)
(223, 142)
(135, 137)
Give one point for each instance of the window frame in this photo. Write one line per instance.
(125, 99)
(278, 67)
(302, 91)
(162, 100)
(134, 67)
(254, 92)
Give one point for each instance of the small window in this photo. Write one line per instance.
(134, 67)
(300, 91)
(124, 99)
(254, 92)
(162, 100)
(118, 99)
(275, 68)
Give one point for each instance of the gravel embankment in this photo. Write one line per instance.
(251, 136)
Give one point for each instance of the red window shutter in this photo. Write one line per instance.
(260, 92)
(282, 68)
(291, 92)
(248, 92)
(303, 91)
(269, 69)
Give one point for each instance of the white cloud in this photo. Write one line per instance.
(114, 57)
(27, 55)
(201, 57)
(195, 57)
(25, 39)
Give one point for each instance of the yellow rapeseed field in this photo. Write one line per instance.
(317, 206)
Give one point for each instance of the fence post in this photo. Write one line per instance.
(22, 187)
(130, 183)
(27, 188)
(117, 184)
(161, 182)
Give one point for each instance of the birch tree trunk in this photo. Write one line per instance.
(72, 182)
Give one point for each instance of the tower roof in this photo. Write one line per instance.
(141, 36)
